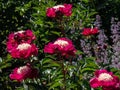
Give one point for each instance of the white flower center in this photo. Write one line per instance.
(19, 32)
(105, 77)
(61, 43)
(23, 69)
(23, 46)
(58, 6)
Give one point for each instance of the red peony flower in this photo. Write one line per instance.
(90, 31)
(23, 73)
(112, 88)
(51, 12)
(67, 10)
(55, 11)
(11, 42)
(49, 48)
(24, 50)
(24, 36)
(94, 31)
(86, 31)
(105, 79)
(61, 46)
(19, 37)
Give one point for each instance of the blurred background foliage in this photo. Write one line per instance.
(18, 15)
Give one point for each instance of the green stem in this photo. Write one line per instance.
(25, 85)
(64, 75)
(61, 26)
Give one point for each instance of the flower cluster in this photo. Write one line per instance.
(101, 46)
(106, 80)
(65, 9)
(115, 36)
(90, 31)
(20, 45)
(62, 46)
(86, 47)
(23, 73)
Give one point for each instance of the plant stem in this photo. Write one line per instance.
(25, 86)
(61, 26)
(64, 75)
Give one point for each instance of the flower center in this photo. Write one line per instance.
(23, 46)
(58, 6)
(19, 32)
(105, 77)
(61, 43)
(23, 69)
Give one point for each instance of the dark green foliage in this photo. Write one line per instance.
(107, 9)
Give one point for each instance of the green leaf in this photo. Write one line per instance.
(19, 88)
(87, 70)
(46, 61)
(56, 84)
(79, 52)
(2, 66)
(55, 32)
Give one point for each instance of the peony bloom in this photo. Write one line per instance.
(11, 42)
(51, 12)
(22, 36)
(61, 46)
(67, 10)
(55, 11)
(94, 31)
(90, 31)
(19, 37)
(106, 80)
(23, 73)
(24, 50)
